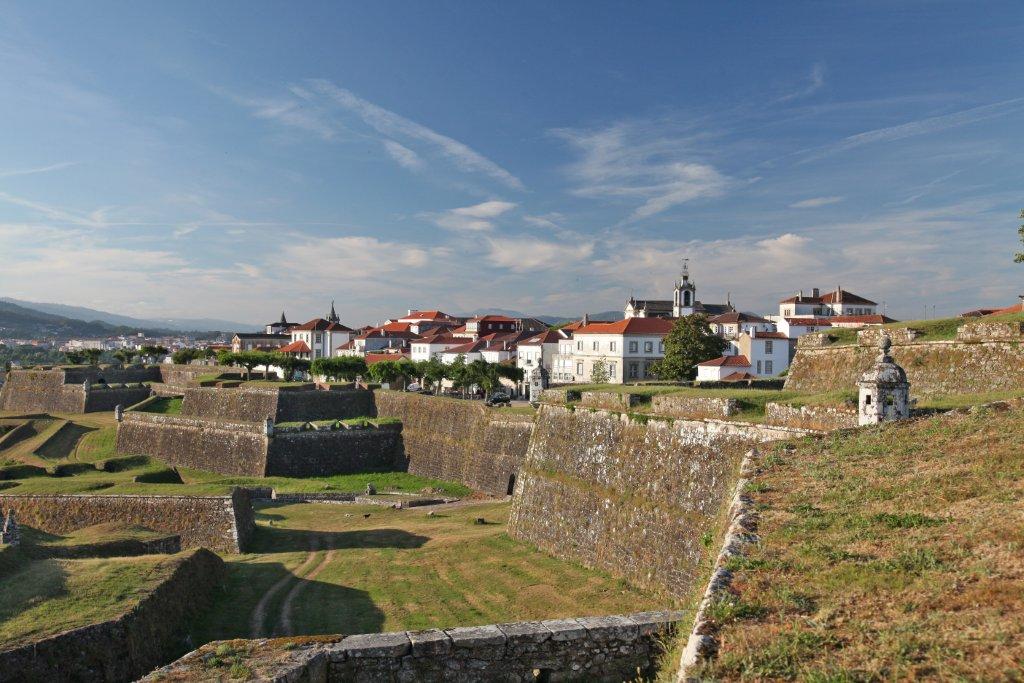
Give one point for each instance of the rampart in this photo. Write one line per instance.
(74, 390)
(630, 495)
(222, 523)
(612, 649)
(347, 450)
(261, 403)
(147, 634)
(459, 440)
(983, 360)
(694, 407)
(820, 417)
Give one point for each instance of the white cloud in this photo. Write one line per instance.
(815, 202)
(353, 258)
(641, 162)
(405, 157)
(476, 218)
(395, 125)
(33, 171)
(520, 254)
(549, 221)
(816, 81)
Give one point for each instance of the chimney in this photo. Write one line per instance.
(410, 312)
(815, 292)
(800, 294)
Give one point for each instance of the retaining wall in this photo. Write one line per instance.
(222, 523)
(937, 367)
(820, 417)
(146, 635)
(459, 440)
(610, 400)
(41, 391)
(183, 375)
(342, 451)
(100, 398)
(613, 649)
(693, 407)
(257, 404)
(629, 497)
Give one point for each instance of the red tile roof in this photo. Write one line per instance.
(727, 361)
(738, 377)
(437, 339)
(469, 347)
(321, 325)
(492, 319)
(1016, 308)
(629, 326)
(426, 315)
(809, 322)
(866, 319)
(549, 337)
(295, 347)
(372, 358)
(736, 317)
(770, 335)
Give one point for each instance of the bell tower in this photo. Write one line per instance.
(685, 296)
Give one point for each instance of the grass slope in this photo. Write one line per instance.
(400, 569)
(889, 553)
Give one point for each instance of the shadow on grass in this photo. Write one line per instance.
(277, 540)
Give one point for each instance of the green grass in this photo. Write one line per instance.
(400, 569)
(45, 597)
(966, 400)
(358, 421)
(891, 553)
(170, 405)
(935, 329)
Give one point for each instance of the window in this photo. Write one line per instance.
(634, 370)
(768, 368)
(768, 346)
(759, 367)
(595, 345)
(648, 347)
(633, 347)
(661, 346)
(579, 346)
(612, 346)
(611, 370)
(579, 368)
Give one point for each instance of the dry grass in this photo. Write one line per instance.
(892, 553)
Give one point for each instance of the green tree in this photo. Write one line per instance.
(690, 341)
(124, 355)
(1019, 256)
(599, 372)
(75, 357)
(335, 368)
(93, 355)
(291, 364)
(457, 371)
(433, 371)
(384, 372)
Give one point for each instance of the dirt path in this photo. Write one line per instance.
(285, 627)
(259, 613)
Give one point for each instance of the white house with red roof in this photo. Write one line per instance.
(794, 328)
(317, 338)
(817, 305)
(626, 348)
(539, 351)
(388, 336)
(734, 323)
(767, 352)
(422, 322)
(432, 345)
(724, 368)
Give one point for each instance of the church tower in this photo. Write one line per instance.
(685, 296)
(332, 317)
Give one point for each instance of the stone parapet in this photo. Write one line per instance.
(609, 400)
(871, 336)
(983, 331)
(815, 340)
(693, 407)
(818, 417)
(610, 648)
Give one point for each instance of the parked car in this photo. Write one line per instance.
(415, 386)
(499, 398)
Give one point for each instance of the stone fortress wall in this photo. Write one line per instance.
(629, 495)
(222, 523)
(131, 644)
(277, 404)
(984, 357)
(613, 649)
(459, 440)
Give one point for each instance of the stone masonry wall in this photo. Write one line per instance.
(100, 399)
(259, 404)
(213, 445)
(182, 375)
(41, 391)
(821, 417)
(629, 497)
(459, 440)
(972, 332)
(938, 367)
(146, 635)
(222, 523)
(341, 451)
(609, 400)
(603, 649)
(693, 407)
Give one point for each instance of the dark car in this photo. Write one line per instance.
(498, 398)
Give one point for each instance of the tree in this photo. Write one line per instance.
(291, 364)
(1019, 256)
(93, 355)
(406, 370)
(153, 350)
(335, 368)
(187, 355)
(75, 357)
(124, 355)
(385, 371)
(690, 341)
(433, 371)
(457, 371)
(599, 372)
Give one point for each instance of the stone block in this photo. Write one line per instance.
(525, 632)
(429, 643)
(610, 628)
(476, 636)
(657, 621)
(376, 645)
(565, 629)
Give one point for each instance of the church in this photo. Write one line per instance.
(683, 302)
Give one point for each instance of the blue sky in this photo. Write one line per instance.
(234, 159)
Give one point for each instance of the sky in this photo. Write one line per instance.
(237, 159)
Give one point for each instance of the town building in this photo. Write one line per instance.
(731, 325)
(539, 351)
(258, 341)
(836, 303)
(768, 353)
(282, 326)
(683, 302)
(319, 337)
(432, 346)
(725, 369)
(625, 349)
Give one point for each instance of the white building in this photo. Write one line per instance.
(731, 325)
(838, 302)
(319, 336)
(724, 368)
(794, 328)
(539, 351)
(683, 302)
(432, 346)
(626, 349)
(751, 355)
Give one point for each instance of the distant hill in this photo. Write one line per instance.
(24, 323)
(174, 324)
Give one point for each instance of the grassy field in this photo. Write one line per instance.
(330, 569)
(45, 597)
(167, 405)
(935, 329)
(896, 553)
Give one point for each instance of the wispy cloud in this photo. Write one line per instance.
(642, 162)
(925, 126)
(521, 254)
(53, 212)
(403, 155)
(33, 171)
(395, 125)
(816, 81)
(815, 202)
(297, 111)
(476, 218)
